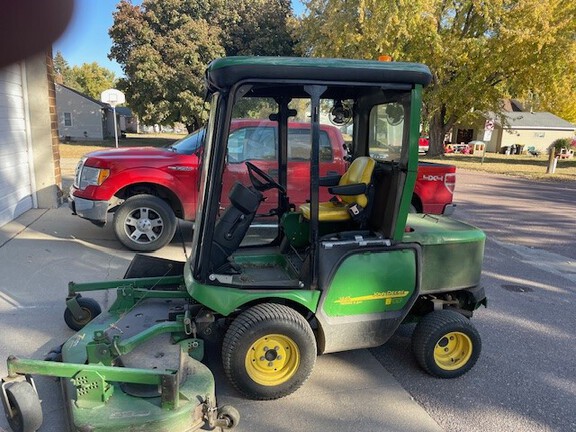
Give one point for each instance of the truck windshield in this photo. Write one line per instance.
(190, 143)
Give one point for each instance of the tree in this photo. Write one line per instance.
(164, 47)
(478, 52)
(61, 68)
(89, 78)
(258, 27)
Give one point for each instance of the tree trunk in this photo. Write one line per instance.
(436, 136)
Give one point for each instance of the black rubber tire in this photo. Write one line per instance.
(25, 404)
(432, 330)
(89, 306)
(155, 217)
(231, 414)
(253, 325)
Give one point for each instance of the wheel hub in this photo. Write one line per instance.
(144, 225)
(453, 351)
(272, 360)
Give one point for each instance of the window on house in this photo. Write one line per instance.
(67, 119)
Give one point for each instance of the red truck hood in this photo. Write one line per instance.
(132, 152)
(123, 158)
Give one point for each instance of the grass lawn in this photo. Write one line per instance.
(527, 166)
(75, 150)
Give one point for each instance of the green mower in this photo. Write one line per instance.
(272, 283)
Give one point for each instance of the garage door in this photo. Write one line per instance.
(15, 184)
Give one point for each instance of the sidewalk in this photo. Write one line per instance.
(44, 249)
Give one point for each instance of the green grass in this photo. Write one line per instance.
(526, 166)
(76, 150)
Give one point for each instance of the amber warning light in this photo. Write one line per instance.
(385, 58)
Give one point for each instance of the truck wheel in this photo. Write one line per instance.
(25, 406)
(269, 351)
(144, 223)
(446, 344)
(90, 308)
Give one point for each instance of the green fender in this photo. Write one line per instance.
(225, 300)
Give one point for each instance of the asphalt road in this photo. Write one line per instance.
(525, 379)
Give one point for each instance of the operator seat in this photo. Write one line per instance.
(232, 226)
(352, 193)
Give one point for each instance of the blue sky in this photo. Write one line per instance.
(86, 40)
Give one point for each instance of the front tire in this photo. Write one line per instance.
(446, 344)
(268, 352)
(90, 310)
(144, 223)
(231, 415)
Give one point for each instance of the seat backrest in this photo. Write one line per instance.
(232, 226)
(360, 171)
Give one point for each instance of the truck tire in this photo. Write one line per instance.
(144, 223)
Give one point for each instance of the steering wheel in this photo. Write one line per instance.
(256, 177)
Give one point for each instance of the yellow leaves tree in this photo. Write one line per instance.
(479, 51)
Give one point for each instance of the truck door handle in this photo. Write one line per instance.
(331, 173)
(273, 172)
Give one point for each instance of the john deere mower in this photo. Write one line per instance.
(269, 281)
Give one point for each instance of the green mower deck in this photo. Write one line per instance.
(134, 368)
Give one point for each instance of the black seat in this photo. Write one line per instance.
(233, 225)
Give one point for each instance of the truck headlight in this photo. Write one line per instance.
(92, 176)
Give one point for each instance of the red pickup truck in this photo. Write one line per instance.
(148, 188)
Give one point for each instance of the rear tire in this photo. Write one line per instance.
(446, 344)
(144, 223)
(268, 351)
(26, 409)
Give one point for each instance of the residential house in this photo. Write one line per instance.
(128, 121)
(81, 117)
(516, 127)
(29, 159)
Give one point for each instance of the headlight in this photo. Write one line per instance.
(92, 176)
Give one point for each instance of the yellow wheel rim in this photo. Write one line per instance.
(272, 360)
(453, 351)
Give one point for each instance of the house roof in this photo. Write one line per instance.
(123, 111)
(102, 104)
(534, 120)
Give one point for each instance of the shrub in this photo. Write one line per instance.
(559, 144)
